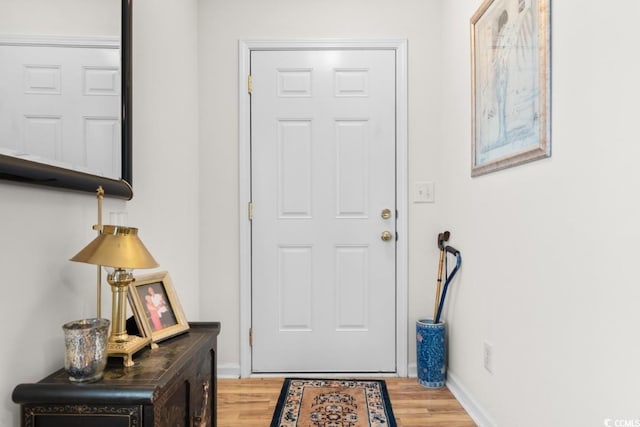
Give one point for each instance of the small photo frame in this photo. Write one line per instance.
(156, 307)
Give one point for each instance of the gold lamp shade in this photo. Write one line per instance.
(118, 247)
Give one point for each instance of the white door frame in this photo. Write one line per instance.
(244, 151)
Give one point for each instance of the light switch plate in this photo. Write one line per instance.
(424, 192)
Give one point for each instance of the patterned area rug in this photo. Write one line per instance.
(333, 403)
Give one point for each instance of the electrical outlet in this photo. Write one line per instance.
(488, 357)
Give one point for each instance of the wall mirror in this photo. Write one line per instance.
(65, 94)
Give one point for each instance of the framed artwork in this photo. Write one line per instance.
(510, 78)
(156, 307)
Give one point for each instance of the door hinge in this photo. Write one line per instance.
(250, 211)
(250, 337)
(249, 84)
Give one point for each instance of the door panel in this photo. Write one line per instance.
(323, 169)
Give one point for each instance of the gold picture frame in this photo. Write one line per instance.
(511, 84)
(156, 307)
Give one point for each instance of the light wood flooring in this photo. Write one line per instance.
(250, 403)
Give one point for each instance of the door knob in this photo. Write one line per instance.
(385, 214)
(386, 236)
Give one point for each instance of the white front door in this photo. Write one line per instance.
(323, 193)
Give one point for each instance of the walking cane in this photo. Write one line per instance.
(455, 252)
(442, 237)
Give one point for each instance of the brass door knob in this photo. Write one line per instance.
(385, 214)
(386, 236)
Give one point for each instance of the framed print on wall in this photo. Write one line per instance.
(511, 84)
(156, 307)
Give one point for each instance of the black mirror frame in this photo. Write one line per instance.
(25, 171)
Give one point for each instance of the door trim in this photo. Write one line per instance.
(244, 152)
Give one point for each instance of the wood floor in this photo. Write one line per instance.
(251, 402)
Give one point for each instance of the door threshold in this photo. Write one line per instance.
(324, 374)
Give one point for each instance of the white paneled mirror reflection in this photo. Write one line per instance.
(61, 89)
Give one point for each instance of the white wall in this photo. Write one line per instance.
(60, 17)
(40, 229)
(550, 248)
(221, 25)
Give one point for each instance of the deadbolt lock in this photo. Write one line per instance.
(385, 214)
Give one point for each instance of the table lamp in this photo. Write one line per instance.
(120, 250)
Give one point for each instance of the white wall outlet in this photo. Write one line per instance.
(424, 192)
(488, 357)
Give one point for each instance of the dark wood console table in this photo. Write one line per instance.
(170, 386)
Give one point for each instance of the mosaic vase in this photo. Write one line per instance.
(431, 353)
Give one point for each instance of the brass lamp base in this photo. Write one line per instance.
(126, 349)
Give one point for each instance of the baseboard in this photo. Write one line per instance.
(229, 370)
(412, 370)
(473, 408)
(232, 371)
(461, 394)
